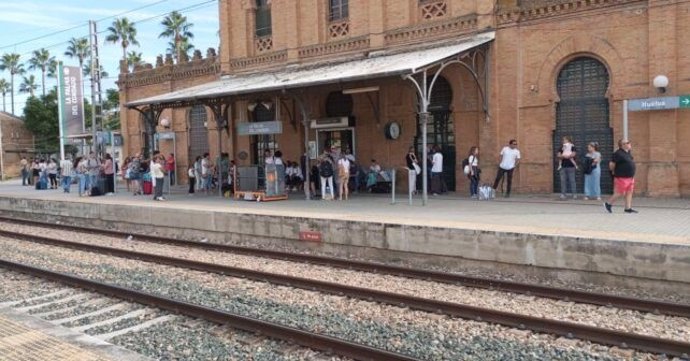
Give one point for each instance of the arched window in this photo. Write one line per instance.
(198, 132)
(583, 113)
(338, 10)
(263, 24)
(263, 112)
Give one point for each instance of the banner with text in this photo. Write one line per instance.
(71, 101)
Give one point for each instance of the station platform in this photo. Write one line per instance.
(529, 230)
(26, 338)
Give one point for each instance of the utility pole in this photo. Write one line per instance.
(96, 105)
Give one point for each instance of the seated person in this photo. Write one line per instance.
(372, 175)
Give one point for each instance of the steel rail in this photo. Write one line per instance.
(564, 294)
(308, 339)
(562, 328)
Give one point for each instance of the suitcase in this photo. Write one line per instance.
(148, 187)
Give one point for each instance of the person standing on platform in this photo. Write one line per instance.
(191, 174)
(80, 164)
(509, 159)
(326, 175)
(593, 179)
(93, 169)
(474, 175)
(158, 173)
(23, 166)
(170, 167)
(109, 171)
(412, 170)
(567, 167)
(52, 173)
(66, 168)
(437, 172)
(343, 178)
(206, 175)
(622, 166)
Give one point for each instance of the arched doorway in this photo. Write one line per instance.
(198, 133)
(262, 111)
(440, 129)
(583, 114)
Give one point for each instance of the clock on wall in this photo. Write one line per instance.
(392, 130)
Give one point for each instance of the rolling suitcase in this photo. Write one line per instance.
(147, 187)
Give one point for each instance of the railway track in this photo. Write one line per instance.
(562, 294)
(304, 338)
(567, 329)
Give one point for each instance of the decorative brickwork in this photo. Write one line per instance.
(537, 9)
(433, 9)
(263, 44)
(274, 58)
(146, 75)
(353, 44)
(338, 29)
(427, 30)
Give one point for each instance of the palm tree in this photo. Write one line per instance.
(11, 62)
(28, 85)
(87, 71)
(124, 32)
(4, 88)
(52, 69)
(183, 47)
(177, 28)
(78, 48)
(133, 59)
(41, 59)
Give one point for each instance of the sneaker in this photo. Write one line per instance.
(585, 198)
(562, 196)
(630, 210)
(607, 205)
(574, 196)
(598, 198)
(162, 199)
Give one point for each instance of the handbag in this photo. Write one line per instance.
(417, 169)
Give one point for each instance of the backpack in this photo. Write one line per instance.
(466, 166)
(326, 169)
(588, 165)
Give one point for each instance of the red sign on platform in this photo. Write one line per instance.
(310, 236)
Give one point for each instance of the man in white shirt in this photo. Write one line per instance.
(509, 158)
(437, 172)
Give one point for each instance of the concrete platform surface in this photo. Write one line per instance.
(659, 220)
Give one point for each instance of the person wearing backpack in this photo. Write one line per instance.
(326, 175)
(592, 172)
(472, 171)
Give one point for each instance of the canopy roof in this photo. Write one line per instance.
(376, 65)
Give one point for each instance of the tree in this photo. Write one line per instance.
(78, 48)
(52, 69)
(176, 28)
(122, 31)
(41, 59)
(133, 59)
(111, 108)
(87, 71)
(4, 88)
(28, 85)
(11, 62)
(184, 47)
(40, 118)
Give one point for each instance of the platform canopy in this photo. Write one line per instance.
(376, 65)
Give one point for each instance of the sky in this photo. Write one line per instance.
(29, 25)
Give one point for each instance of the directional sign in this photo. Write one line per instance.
(635, 105)
(684, 101)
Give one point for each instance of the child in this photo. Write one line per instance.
(192, 179)
(567, 153)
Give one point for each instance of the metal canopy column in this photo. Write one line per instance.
(424, 93)
(151, 117)
(221, 110)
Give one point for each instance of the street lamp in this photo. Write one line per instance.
(661, 82)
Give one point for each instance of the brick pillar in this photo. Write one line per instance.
(662, 174)
(376, 19)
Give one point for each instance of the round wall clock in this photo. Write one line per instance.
(392, 130)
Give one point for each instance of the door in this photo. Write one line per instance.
(583, 114)
(440, 130)
(336, 138)
(198, 134)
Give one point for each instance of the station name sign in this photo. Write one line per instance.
(259, 128)
(660, 103)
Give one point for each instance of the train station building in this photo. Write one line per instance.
(301, 76)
